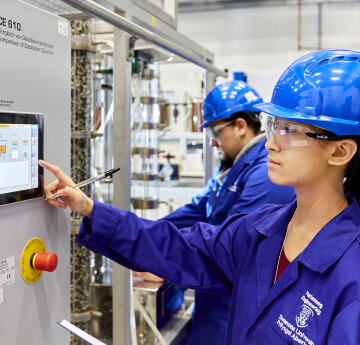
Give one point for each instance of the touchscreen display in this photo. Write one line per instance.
(21, 147)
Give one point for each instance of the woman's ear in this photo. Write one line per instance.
(342, 151)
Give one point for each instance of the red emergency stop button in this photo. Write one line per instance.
(44, 261)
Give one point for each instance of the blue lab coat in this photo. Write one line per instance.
(315, 301)
(244, 189)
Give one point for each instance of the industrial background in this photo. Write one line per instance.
(145, 66)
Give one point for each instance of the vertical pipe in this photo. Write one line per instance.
(122, 158)
(299, 24)
(319, 26)
(208, 151)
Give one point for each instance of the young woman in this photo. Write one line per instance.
(292, 271)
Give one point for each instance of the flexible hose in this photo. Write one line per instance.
(168, 128)
(149, 321)
(108, 118)
(135, 85)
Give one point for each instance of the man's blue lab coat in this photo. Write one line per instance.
(315, 301)
(245, 189)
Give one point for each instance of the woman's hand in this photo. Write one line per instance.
(75, 199)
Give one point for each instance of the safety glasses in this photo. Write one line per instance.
(213, 133)
(289, 133)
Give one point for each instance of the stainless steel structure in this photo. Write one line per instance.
(142, 20)
(150, 300)
(111, 17)
(122, 157)
(35, 77)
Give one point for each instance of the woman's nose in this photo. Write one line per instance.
(271, 144)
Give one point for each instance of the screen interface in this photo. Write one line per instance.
(21, 147)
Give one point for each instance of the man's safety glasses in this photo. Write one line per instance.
(213, 133)
(289, 133)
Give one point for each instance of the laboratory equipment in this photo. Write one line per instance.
(22, 146)
(34, 123)
(145, 145)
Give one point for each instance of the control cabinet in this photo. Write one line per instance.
(35, 48)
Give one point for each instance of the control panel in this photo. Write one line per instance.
(21, 147)
(35, 71)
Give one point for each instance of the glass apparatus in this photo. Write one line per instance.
(145, 146)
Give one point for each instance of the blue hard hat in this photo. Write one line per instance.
(321, 89)
(228, 98)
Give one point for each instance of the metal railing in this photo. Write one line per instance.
(126, 25)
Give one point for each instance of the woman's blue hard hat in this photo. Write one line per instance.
(321, 89)
(227, 99)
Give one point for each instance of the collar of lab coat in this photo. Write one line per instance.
(328, 245)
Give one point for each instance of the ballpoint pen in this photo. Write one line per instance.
(90, 180)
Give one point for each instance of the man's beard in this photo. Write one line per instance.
(225, 161)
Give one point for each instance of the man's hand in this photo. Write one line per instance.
(147, 276)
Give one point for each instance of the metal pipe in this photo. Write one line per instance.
(299, 24)
(319, 26)
(208, 152)
(122, 23)
(201, 6)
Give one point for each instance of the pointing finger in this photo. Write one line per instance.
(57, 172)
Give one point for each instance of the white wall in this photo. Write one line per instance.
(260, 41)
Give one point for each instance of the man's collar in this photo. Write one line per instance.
(254, 141)
(249, 153)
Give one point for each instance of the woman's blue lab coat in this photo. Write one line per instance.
(244, 189)
(315, 301)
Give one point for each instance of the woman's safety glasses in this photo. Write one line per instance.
(289, 133)
(213, 133)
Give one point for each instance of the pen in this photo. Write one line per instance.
(90, 180)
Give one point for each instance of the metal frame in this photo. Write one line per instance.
(208, 151)
(192, 6)
(154, 10)
(121, 151)
(198, 57)
(135, 20)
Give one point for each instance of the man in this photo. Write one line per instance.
(239, 185)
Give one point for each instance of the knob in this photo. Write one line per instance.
(44, 261)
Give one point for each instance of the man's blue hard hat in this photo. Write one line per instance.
(228, 98)
(321, 89)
